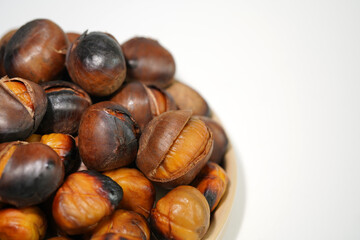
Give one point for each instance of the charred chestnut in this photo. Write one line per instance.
(3, 41)
(23, 105)
(29, 173)
(108, 137)
(66, 104)
(129, 224)
(188, 98)
(34, 51)
(26, 223)
(212, 182)
(144, 103)
(83, 200)
(96, 63)
(148, 61)
(173, 148)
(139, 192)
(183, 213)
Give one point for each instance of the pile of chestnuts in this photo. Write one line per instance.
(99, 141)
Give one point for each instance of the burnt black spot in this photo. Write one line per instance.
(210, 197)
(50, 165)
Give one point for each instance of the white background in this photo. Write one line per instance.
(284, 77)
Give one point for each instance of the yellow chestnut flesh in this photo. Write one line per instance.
(20, 90)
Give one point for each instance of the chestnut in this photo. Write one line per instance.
(29, 173)
(221, 141)
(212, 181)
(148, 61)
(35, 51)
(111, 236)
(139, 192)
(66, 104)
(3, 41)
(26, 223)
(108, 137)
(173, 148)
(59, 238)
(129, 224)
(72, 36)
(96, 62)
(183, 213)
(143, 103)
(188, 98)
(23, 105)
(83, 200)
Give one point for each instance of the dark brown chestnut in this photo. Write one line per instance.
(66, 104)
(29, 173)
(35, 51)
(188, 98)
(149, 62)
(108, 137)
(173, 148)
(3, 41)
(25, 224)
(23, 105)
(143, 103)
(83, 200)
(96, 62)
(139, 192)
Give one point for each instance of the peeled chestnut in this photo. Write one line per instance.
(66, 104)
(23, 105)
(129, 224)
(108, 137)
(148, 61)
(83, 200)
(35, 51)
(25, 224)
(183, 213)
(139, 192)
(212, 182)
(173, 148)
(144, 103)
(3, 42)
(188, 98)
(96, 62)
(221, 140)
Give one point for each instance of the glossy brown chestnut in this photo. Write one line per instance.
(96, 62)
(173, 148)
(108, 137)
(143, 103)
(3, 42)
(183, 213)
(83, 200)
(64, 145)
(66, 104)
(129, 224)
(221, 140)
(25, 224)
(139, 192)
(149, 62)
(29, 173)
(212, 181)
(72, 36)
(188, 98)
(23, 105)
(35, 51)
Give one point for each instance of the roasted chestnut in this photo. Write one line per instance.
(25, 224)
(112, 236)
(173, 148)
(59, 238)
(129, 224)
(188, 98)
(35, 51)
(96, 62)
(212, 182)
(221, 140)
(139, 192)
(183, 213)
(108, 137)
(23, 105)
(29, 173)
(83, 200)
(148, 61)
(66, 104)
(72, 36)
(143, 103)
(3, 41)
